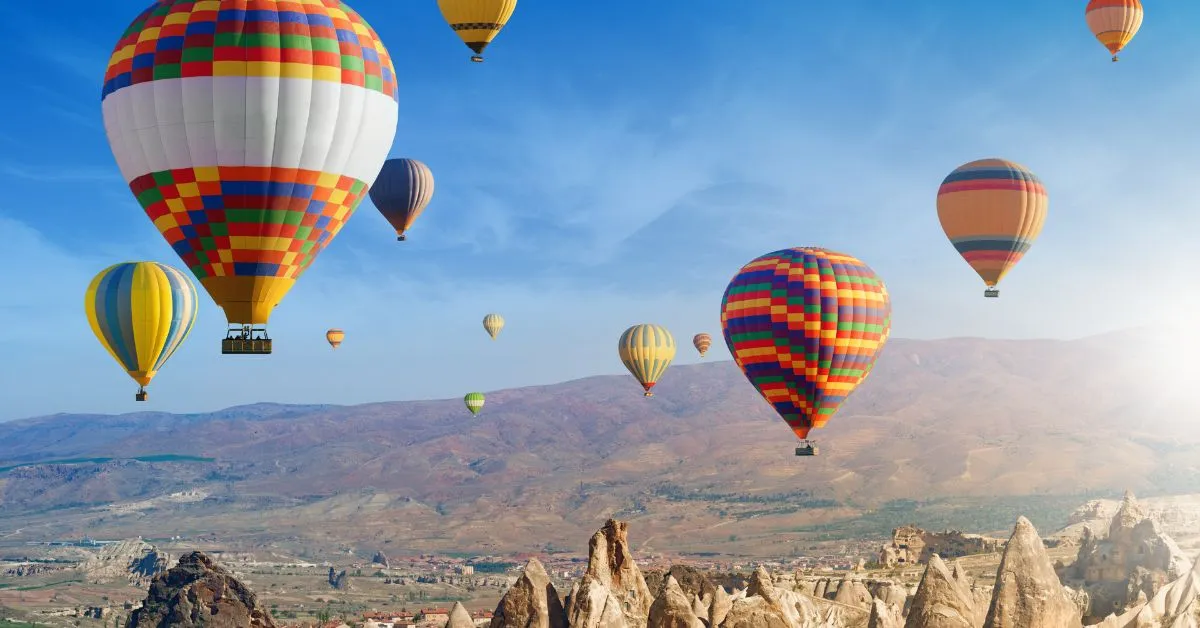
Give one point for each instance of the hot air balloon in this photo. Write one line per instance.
(992, 210)
(647, 351)
(474, 402)
(493, 323)
(702, 342)
(805, 325)
(335, 337)
(401, 192)
(249, 132)
(141, 312)
(1114, 22)
(477, 22)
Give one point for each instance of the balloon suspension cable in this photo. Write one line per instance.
(477, 58)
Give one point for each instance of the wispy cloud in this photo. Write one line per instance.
(59, 173)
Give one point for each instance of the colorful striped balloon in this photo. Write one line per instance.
(335, 337)
(702, 342)
(1114, 22)
(474, 402)
(992, 210)
(647, 351)
(805, 325)
(249, 131)
(141, 312)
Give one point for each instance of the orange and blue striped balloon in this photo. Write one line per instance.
(1114, 22)
(141, 312)
(806, 325)
(992, 210)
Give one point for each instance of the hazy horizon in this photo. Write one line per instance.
(597, 186)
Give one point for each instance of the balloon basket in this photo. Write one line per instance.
(246, 340)
(140, 396)
(476, 59)
(991, 293)
(807, 448)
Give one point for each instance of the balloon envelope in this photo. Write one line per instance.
(141, 312)
(493, 323)
(249, 136)
(646, 350)
(1114, 22)
(702, 342)
(474, 402)
(335, 337)
(401, 192)
(477, 22)
(992, 210)
(805, 325)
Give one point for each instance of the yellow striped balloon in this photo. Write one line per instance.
(493, 323)
(1114, 22)
(335, 337)
(477, 22)
(141, 312)
(647, 351)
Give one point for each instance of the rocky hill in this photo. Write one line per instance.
(960, 432)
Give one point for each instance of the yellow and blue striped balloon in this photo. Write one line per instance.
(647, 351)
(141, 312)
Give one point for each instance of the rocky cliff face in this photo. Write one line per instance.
(198, 592)
(1176, 605)
(132, 560)
(1126, 565)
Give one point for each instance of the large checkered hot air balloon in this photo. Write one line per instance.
(805, 325)
(249, 130)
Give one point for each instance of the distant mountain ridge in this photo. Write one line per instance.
(938, 422)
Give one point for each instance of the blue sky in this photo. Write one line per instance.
(621, 171)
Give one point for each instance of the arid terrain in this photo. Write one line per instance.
(963, 433)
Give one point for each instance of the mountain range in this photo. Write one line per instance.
(960, 432)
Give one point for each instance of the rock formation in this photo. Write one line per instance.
(884, 615)
(531, 602)
(1028, 594)
(198, 592)
(338, 580)
(672, 609)
(1176, 605)
(132, 560)
(1133, 561)
(853, 593)
(612, 587)
(459, 617)
(941, 601)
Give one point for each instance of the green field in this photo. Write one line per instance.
(152, 458)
